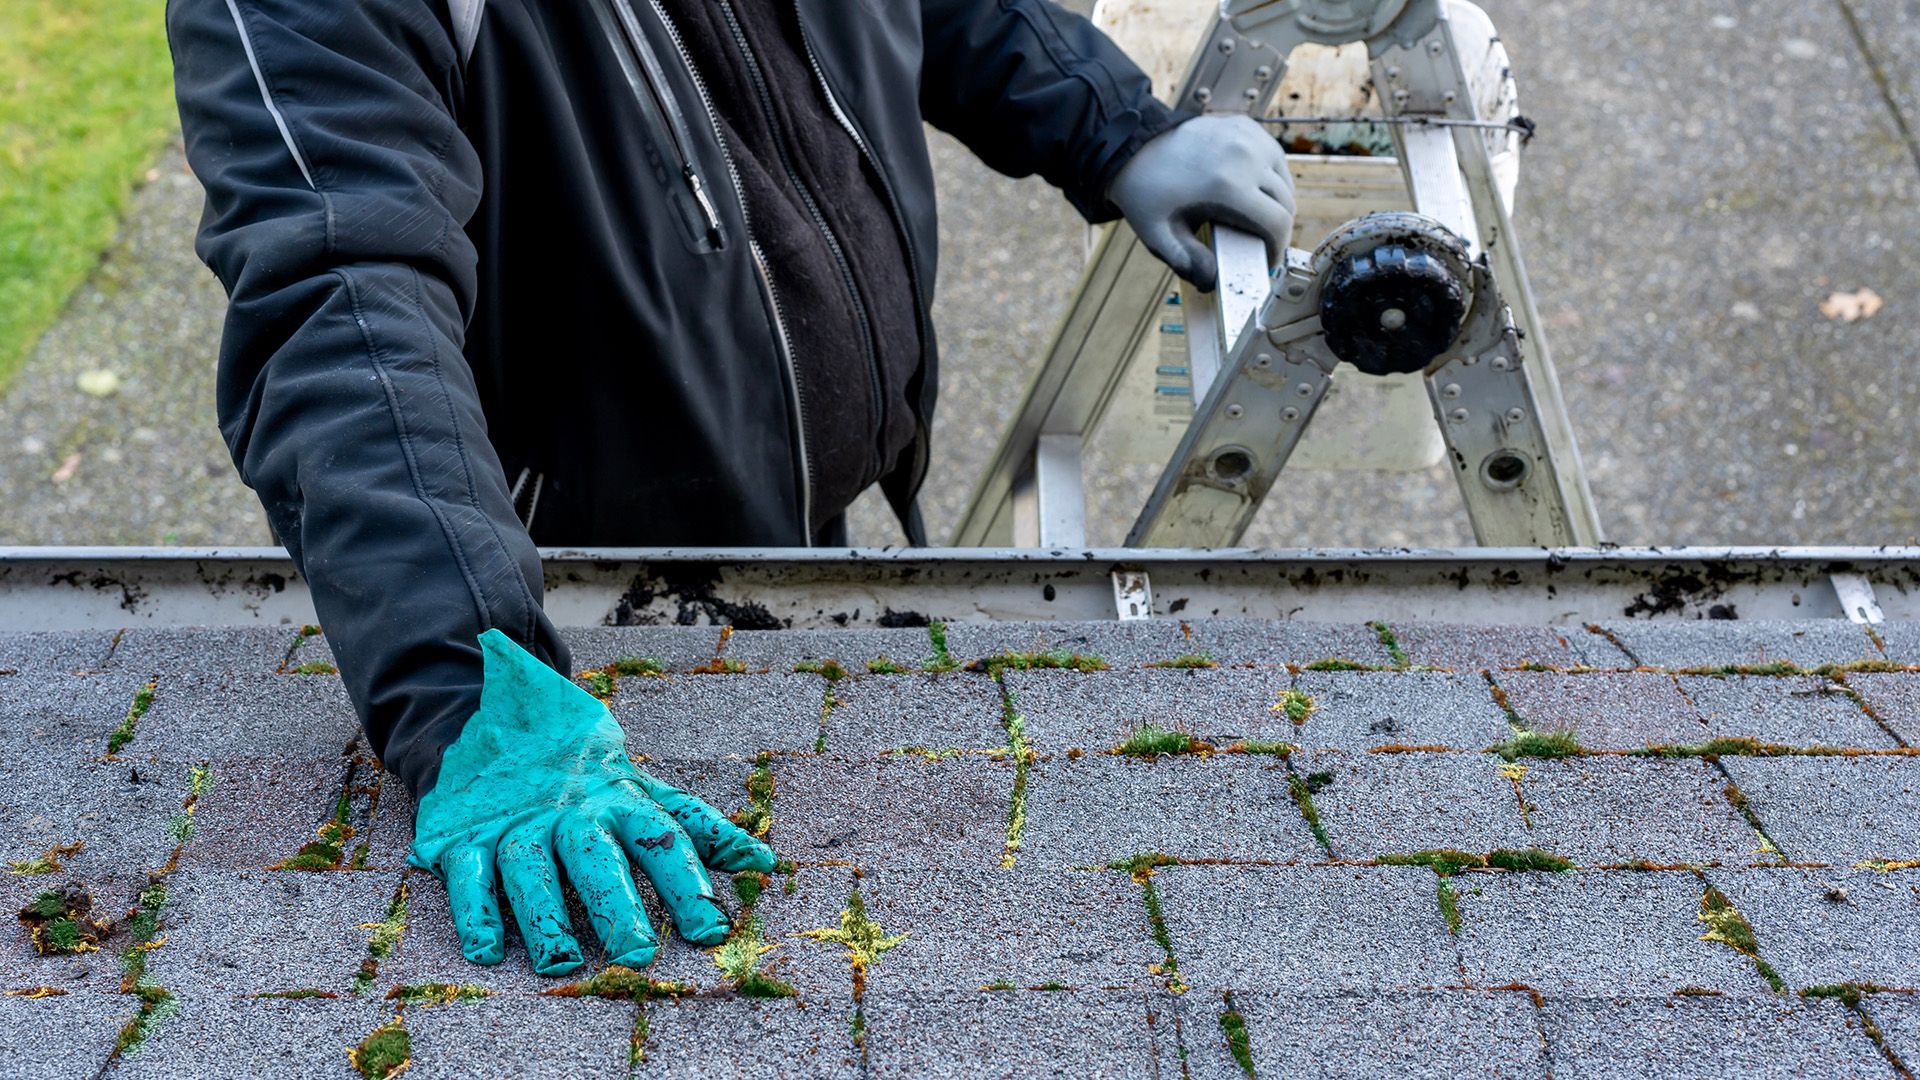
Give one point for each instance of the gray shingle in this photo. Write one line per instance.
(1612, 810)
(252, 931)
(1615, 711)
(522, 1037)
(1707, 1037)
(60, 1038)
(64, 716)
(260, 812)
(1424, 1034)
(1594, 933)
(1475, 648)
(1898, 1017)
(743, 1038)
(1099, 711)
(1871, 934)
(1086, 930)
(1121, 644)
(1901, 641)
(1091, 1033)
(876, 713)
(1273, 641)
(1717, 643)
(219, 1038)
(202, 717)
(1320, 929)
(676, 647)
(119, 810)
(1377, 804)
(23, 969)
(1359, 710)
(1793, 711)
(1835, 809)
(204, 651)
(1099, 808)
(708, 716)
(820, 970)
(1895, 699)
(897, 811)
(43, 652)
(780, 650)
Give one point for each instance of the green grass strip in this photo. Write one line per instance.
(86, 104)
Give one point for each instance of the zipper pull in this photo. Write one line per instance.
(706, 205)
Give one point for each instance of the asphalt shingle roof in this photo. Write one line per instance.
(1743, 899)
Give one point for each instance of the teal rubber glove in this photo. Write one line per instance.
(539, 780)
(1224, 169)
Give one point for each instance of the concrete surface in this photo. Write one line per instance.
(1032, 937)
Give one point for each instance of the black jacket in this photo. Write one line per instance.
(482, 254)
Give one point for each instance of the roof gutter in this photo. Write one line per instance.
(55, 588)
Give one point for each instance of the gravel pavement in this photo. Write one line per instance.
(1707, 174)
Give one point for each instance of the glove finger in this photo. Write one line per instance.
(469, 874)
(1260, 215)
(599, 872)
(661, 849)
(1175, 244)
(720, 843)
(533, 888)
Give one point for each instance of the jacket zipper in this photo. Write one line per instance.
(647, 82)
(759, 266)
(876, 394)
(920, 434)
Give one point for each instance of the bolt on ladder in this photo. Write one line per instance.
(1440, 293)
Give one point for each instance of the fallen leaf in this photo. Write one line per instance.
(1853, 306)
(67, 468)
(99, 382)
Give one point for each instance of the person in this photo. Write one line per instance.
(610, 272)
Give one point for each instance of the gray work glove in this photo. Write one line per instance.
(1224, 169)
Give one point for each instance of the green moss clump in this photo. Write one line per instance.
(1050, 659)
(316, 667)
(1724, 746)
(122, 735)
(1535, 744)
(1443, 861)
(621, 984)
(1774, 668)
(720, 666)
(1153, 741)
(881, 665)
(757, 818)
(1726, 925)
(1528, 859)
(599, 684)
(384, 938)
(46, 904)
(1295, 705)
(1449, 906)
(1391, 642)
(759, 984)
(748, 886)
(865, 941)
(1142, 866)
(299, 995)
(328, 851)
(942, 660)
(385, 1051)
(1263, 746)
(1234, 1024)
(831, 670)
(1302, 791)
(636, 665)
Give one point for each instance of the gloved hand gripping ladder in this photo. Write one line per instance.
(1442, 291)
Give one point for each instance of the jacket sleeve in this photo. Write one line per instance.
(1033, 88)
(338, 187)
